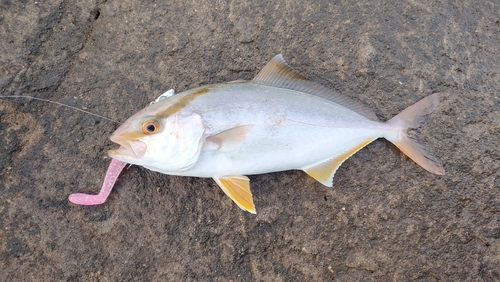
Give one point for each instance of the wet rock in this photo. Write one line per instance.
(385, 219)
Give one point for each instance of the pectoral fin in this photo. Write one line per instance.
(228, 139)
(238, 189)
(324, 171)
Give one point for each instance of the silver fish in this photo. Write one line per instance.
(278, 121)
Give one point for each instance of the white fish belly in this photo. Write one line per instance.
(267, 155)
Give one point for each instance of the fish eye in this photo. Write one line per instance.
(150, 126)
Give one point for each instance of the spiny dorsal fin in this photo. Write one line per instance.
(278, 74)
(324, 171)
(238, 189)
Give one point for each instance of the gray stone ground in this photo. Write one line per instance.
(386, 219)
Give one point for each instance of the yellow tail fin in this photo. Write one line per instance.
(412, 118)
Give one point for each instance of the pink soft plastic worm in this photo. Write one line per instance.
(114, 169)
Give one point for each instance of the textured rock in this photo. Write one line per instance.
(386, 219)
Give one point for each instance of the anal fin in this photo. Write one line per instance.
(238, 189)
(324, 171)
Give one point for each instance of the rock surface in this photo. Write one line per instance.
(386, 219)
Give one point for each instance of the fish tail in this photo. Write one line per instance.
(406, 140)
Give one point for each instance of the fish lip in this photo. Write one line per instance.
(131, 149)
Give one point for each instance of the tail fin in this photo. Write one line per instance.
(412, 118)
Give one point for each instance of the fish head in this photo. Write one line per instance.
(162, 143)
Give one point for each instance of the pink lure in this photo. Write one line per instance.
(114, 169)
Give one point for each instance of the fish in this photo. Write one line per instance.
(278, 121)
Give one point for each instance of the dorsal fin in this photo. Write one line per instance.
(278, 74)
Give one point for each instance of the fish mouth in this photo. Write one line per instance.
(133, 149)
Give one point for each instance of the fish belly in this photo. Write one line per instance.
(263, 156)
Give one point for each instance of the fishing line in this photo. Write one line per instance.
(60, 104)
